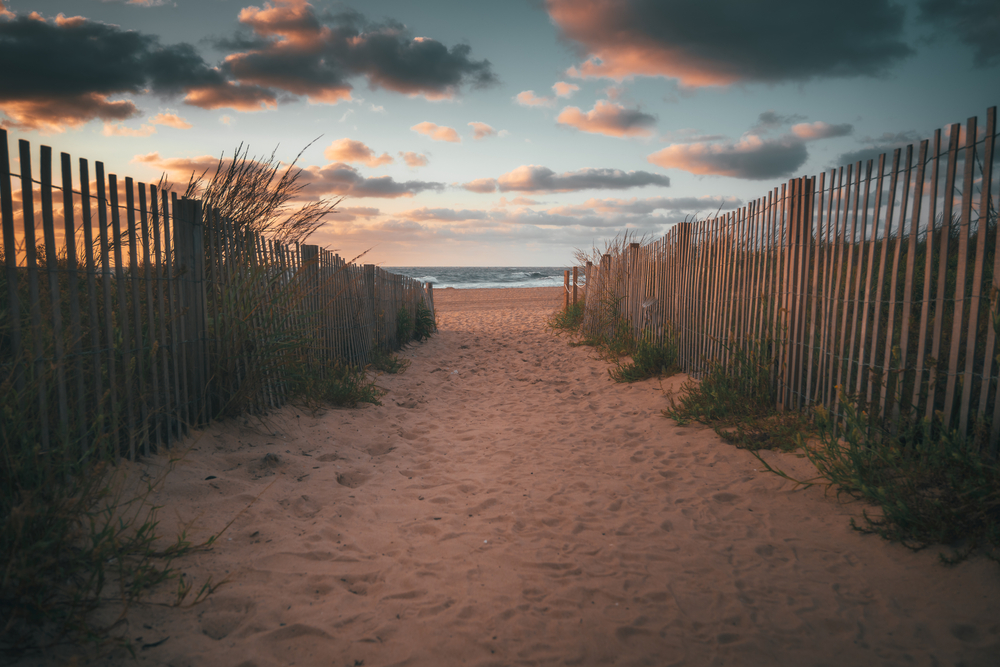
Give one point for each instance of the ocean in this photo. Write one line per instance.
(466, 277)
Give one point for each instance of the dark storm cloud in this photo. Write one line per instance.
(76, 56)
(975, 22)
(63, 71)
(68, 67)
(718, 42)
(295, 49)
(533, 178)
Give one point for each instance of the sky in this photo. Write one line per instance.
(496, 133)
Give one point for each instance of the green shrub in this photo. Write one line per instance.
(425, 324)
(650, 358)
(568, 319)
(387, 362)
(404, 326)
(931, 486)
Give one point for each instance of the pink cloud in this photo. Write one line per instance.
(609, 118)
(348, 150)
(752, 157)
(481, 185)
(119, 130)
(170, 120)
(528, 98)
(481, 130)
(56, 114)
(563, 89)
(437, 132)
(820, 130)
(414, 159)
(232, 96)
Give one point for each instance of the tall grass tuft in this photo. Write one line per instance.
(424, 324)
(568, 319)
(931, 486)
(738, 398)
(650, 357)
(77, 534)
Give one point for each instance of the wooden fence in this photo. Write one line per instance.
(138, 315)
(878, 278)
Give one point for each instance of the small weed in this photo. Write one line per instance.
(404, 326)
(930, 488)
(650, 358)
(337, 384)
(568, 319)
(387, 362)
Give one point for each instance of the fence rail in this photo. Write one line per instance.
(138, 315)
(878, 278)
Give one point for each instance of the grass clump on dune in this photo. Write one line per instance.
(738, 399)
(929, 487)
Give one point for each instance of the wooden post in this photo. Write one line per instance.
(575, 277)
(565, 290)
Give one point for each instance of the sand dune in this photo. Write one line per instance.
(510, 505)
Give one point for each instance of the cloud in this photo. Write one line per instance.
(635, 206)
(437, 132)
(414, 159)
(295, 49)
(57, 113)
(518, 201)
(720, 42)
(228, 95)
(179, 168)
(821, 130)
(527, 98)
(975, 23)
(71, 68)
(689, 136)
(443, 214)
(609, 118)
(752, 157)
(481, 130)
(343, 179)
(875, 146)
(770, 121)
(481, 185)
(119, 130)
(348, 213)
(348, 150)
(563, 89)
(332, 179)
(170, 120)
(755, 156)
(533, 178)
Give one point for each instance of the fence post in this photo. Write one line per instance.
(575, 277)
(310, 270)
(189, 256)
(373, 305)
(566, 290)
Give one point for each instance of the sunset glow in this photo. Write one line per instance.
(485, 134)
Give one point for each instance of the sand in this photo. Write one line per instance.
(509, 504)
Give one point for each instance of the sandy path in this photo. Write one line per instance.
(510, 505)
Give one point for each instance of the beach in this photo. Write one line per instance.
(509, 504)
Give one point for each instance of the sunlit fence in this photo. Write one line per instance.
(129, 315)
(879, 278)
